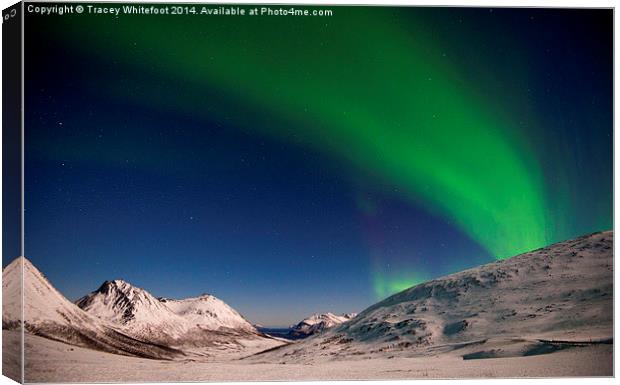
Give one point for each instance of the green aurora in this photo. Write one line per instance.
(367, 87)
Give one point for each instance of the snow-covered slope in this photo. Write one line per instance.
(12, 295)
(48, 313)
(204, 321)
(316, 323)
(510, 307)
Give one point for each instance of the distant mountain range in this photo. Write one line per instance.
(534, 303)
(307, 327)
(316, 323)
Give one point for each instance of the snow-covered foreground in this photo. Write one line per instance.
(544, 313)
(51, 361)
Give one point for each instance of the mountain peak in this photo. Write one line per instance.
(121, 302)
(22, 261)
(116, 284)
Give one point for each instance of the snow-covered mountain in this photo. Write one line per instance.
(49, 314)
(316, 323)
(199, 321)
(517, 306)
(134, 310)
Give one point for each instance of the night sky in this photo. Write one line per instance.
(292, 165)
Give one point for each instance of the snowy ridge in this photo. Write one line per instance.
(208, 312)
(513, 307)
(49, 314)
(316, 323)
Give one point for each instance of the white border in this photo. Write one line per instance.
(487, 3)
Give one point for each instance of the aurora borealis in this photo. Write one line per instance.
(336, 159)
